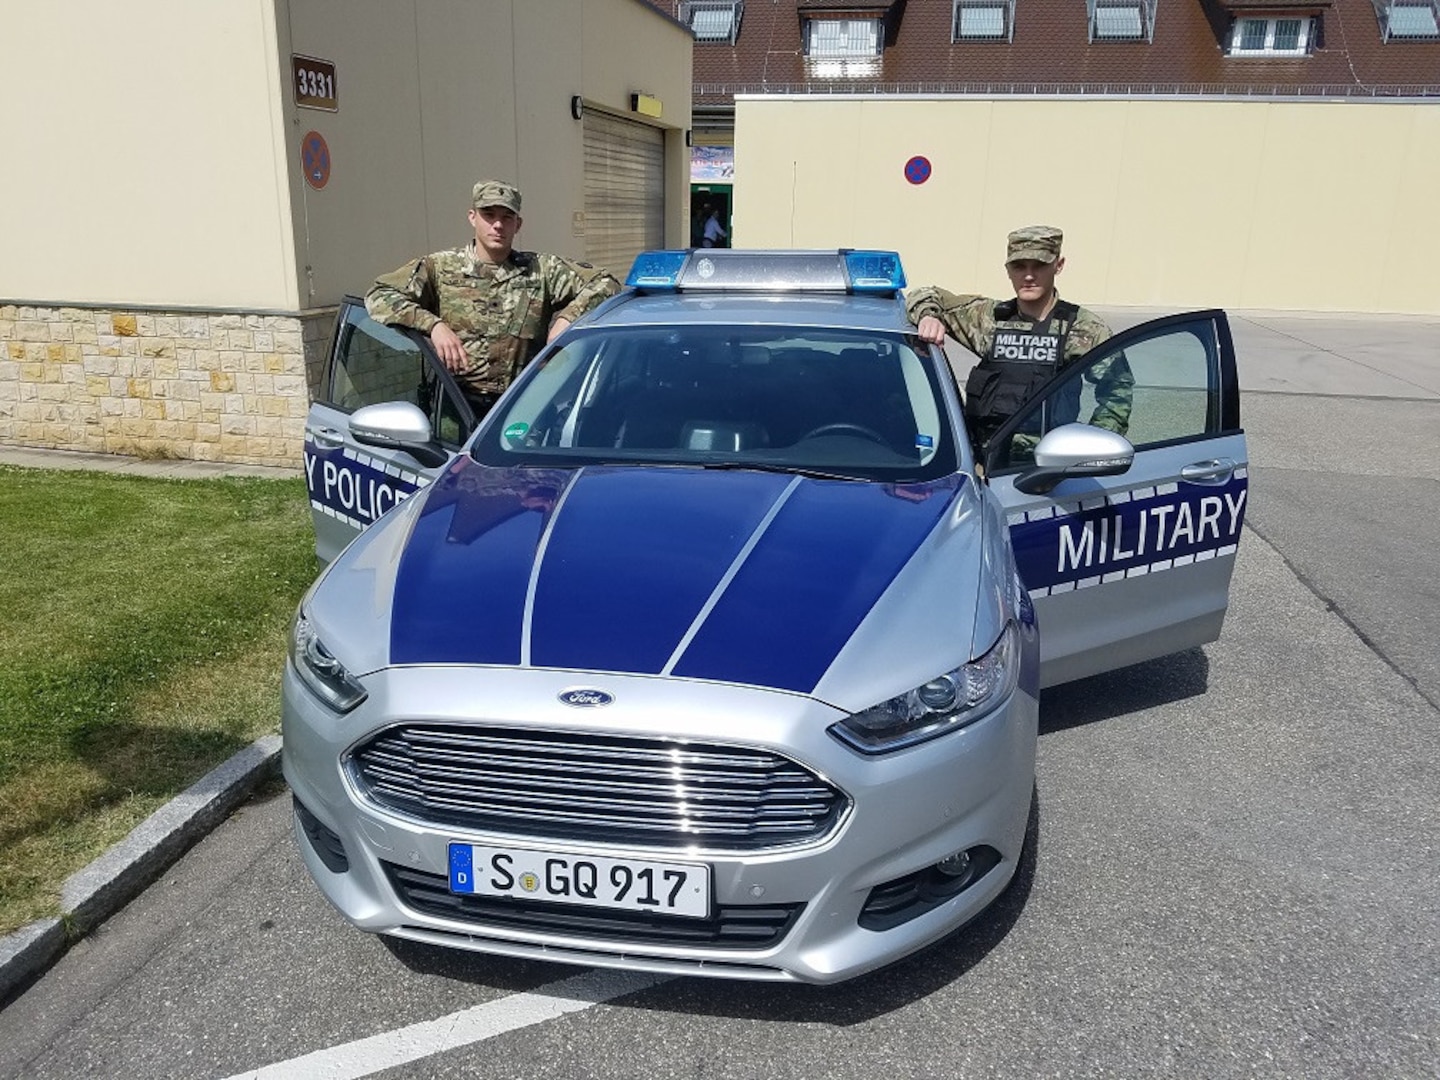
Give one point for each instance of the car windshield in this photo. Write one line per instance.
(849, 403)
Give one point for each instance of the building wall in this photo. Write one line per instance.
(204, 386)
(168, 278)
(1258, 204)
(436, 94)
(143, 161)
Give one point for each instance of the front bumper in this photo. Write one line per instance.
(792, 913)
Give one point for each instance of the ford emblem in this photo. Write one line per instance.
(586, 698)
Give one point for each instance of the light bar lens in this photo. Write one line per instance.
(874, 271)
(656, 270)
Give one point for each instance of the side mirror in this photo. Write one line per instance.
(398, 425)
(1075, 450)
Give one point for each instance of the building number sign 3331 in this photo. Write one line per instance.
(314, 82)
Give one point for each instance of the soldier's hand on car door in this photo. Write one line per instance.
(931, 329)
(447, 346)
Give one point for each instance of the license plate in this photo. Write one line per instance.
(593, 880)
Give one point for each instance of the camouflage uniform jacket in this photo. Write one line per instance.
(502, 313)
(972, 320)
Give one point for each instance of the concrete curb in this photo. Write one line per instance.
(93, 894)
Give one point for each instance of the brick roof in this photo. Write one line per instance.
(1051, 53)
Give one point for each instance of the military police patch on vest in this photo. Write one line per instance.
(1027, 347)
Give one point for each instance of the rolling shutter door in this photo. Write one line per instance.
(624, 190)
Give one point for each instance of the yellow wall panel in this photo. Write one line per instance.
(1252, 204)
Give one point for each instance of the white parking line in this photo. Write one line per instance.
(385, 1051)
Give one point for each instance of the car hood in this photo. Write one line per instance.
(746, 577)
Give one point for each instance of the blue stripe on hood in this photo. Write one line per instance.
(632, 556)
(460, 590)
(815, 575)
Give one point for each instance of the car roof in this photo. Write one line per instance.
(884, 314)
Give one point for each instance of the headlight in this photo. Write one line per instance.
(945, 703)
(319, 670)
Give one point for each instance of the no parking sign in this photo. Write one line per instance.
(315, 159)
(917, 169)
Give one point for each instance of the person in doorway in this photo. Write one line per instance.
(488, 307)
(1023, 341)
(715, 234)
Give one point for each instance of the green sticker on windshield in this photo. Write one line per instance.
(516, 431)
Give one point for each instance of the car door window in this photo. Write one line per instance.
(374, 363)
(1156, 391)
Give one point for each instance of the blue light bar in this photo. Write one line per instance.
(740, 270)
(874, 271)
(656, 270)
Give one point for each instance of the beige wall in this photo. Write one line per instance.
(1285, 205)
(435, 94)
(153, 155)
(141, 152)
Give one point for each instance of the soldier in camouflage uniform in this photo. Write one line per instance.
(489, 308)
(1022, 342)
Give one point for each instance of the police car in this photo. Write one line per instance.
(711, 651)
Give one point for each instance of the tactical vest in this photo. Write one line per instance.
(1021, 358)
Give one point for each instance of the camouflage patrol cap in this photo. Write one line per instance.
(1038, 242)
(495, 193)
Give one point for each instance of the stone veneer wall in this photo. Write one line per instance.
(193, 385)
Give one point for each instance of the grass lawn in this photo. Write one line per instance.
(142, 636)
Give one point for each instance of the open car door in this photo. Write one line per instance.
(1123, 568)
(350, 483)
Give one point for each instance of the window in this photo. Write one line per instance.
(1122, 20)
(851, 402)
(1408, 20)
(837, 39)
(983, 20)
(712, 20)
(1271, 37)
(1162, 389)
(376, 363)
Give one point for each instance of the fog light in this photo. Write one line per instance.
(954, 865)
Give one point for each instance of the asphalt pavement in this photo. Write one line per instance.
(1233, 870)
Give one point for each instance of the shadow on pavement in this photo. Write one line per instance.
(1115, 693)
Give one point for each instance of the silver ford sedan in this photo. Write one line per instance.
(712, 649)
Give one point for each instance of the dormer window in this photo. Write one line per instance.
(712, 20)
(1408, 20)
(838, 39)
(983, 20)
(1122, 20)
(1290, 35)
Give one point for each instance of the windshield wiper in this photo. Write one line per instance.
(775, 467)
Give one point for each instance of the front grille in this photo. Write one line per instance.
(599, 789)
(735, 927)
